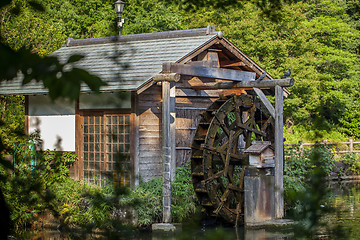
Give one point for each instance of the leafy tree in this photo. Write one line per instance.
(315, 41)
(151, 16)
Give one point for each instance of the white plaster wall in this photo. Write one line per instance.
(105, 101)
(55, 122)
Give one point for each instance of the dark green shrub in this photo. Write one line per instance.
(147, 198)
(85, 205)
(298, 162)
(147, 201)
(299, 165)
(184, 201)
(310, 203)
(28, 191)
(352, 162)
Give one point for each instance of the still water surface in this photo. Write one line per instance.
(344, 220)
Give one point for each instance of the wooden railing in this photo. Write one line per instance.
(337, 147)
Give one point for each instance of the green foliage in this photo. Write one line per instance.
(147, 201)
(147, 198)
(151, 16)
(299, 161)
(317, 41)
(352, 162)
(54, 166)
(11, 121)
(29, 193)
(310, 201)
(183, 199)
(85, 205)
(299, 165)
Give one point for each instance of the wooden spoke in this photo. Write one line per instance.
(228, 154)
(230, 125)
(266, 124)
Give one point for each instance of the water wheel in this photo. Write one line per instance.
(218, 161)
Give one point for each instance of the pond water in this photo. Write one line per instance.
(342, 223)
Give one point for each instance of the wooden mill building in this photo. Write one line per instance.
(125, 123)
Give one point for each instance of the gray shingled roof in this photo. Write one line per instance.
(125, 63)
(258, 147)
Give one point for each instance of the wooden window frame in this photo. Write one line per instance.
(80, 113)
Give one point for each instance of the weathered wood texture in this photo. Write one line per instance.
(337, 148)
(134, 142)
(149, 134)
(185, 87)
(279, 153)
(265, 101)
(188, 110)
(173, 128)
(220, 73)
(172, 77)
(259, 195)
(166, 151)
(288, 82)
(190, 103)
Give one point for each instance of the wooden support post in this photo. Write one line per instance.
(77, 167)
(172, 129)
(351, 146)
(279, 153)
(136, 138)
(166, 151)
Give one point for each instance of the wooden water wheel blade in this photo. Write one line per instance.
(200, 138)
(208, 205)
(238, 117)
(197, 174)
(200, 190)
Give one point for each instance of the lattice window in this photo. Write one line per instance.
(106, 149)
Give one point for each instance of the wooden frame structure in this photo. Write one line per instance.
(243, 80)
(172, 78)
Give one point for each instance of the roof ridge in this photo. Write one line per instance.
(209, 30)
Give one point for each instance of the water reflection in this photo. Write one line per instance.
(346, 202)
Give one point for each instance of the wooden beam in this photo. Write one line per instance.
(201, 63)
(265, 101)
(279, 153)
(232, 64)
(170, 77)
(220, 73)
(287, 82)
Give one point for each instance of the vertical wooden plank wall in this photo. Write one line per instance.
(149, 134)
(190, 103)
